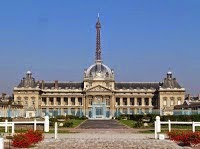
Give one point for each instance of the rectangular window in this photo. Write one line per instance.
(65, 101)
(73, 111)
(107, 102)
(118, 101)
(131, 101)
(73, 101)
(90, 101)
(51, 101)
(44, 100)
(58, 101)
(131, 111)
(124, 101)
(139, 101)
(80, 101)
(146, 101)
(124, 110)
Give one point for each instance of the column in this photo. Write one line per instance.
(76, 101)
(142, 101)
(112, 106)
(54, 101)
(128, 101)
(84, 106)
(135, 101)
(47, 101)
(121, 101)
(62, 101)
(150, 101)
(69, 101)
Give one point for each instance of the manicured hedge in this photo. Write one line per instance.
(152, 117)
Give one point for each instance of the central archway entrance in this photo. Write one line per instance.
(99, 111)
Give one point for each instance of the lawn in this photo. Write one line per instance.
(76, 122)
(129, 123)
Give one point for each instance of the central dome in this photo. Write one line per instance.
(99, 71)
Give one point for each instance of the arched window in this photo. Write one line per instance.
(165, 101)
(179, 100)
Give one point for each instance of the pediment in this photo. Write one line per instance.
(99, 88)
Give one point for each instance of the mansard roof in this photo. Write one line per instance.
(171, 83)
(137, 85)
(63, 85)
(28, 81)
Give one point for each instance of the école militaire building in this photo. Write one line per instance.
(98, 96)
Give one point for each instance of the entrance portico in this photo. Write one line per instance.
(99, 111)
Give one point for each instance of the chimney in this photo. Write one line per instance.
(189, 97)
(3, 96)
(56, 84)
(42, 84)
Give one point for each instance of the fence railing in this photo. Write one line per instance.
(158, 124)
(7, 124)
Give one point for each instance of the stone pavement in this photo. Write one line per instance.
(104, 135)
(105, 140)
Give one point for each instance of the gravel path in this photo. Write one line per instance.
(108, 139)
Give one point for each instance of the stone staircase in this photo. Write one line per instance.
(102, 124)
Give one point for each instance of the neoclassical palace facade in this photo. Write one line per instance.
(98, 96)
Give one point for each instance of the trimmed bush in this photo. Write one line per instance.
(21, 141)
(34, 136)
(26, 140)
(185, 137)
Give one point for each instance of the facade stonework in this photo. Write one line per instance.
(98, 95)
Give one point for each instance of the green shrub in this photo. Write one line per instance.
(138, 124)
(68, 124)
(60, 117)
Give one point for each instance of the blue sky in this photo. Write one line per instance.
(141, 40)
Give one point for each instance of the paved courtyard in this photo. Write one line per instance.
(103, 136)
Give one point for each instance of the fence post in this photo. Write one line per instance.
(157, 126)
(35, 125)
(169, 124)
(13, 128)
(56, 130)
(6, 125)
(46, 124)
(193, 127)
(1, 143)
